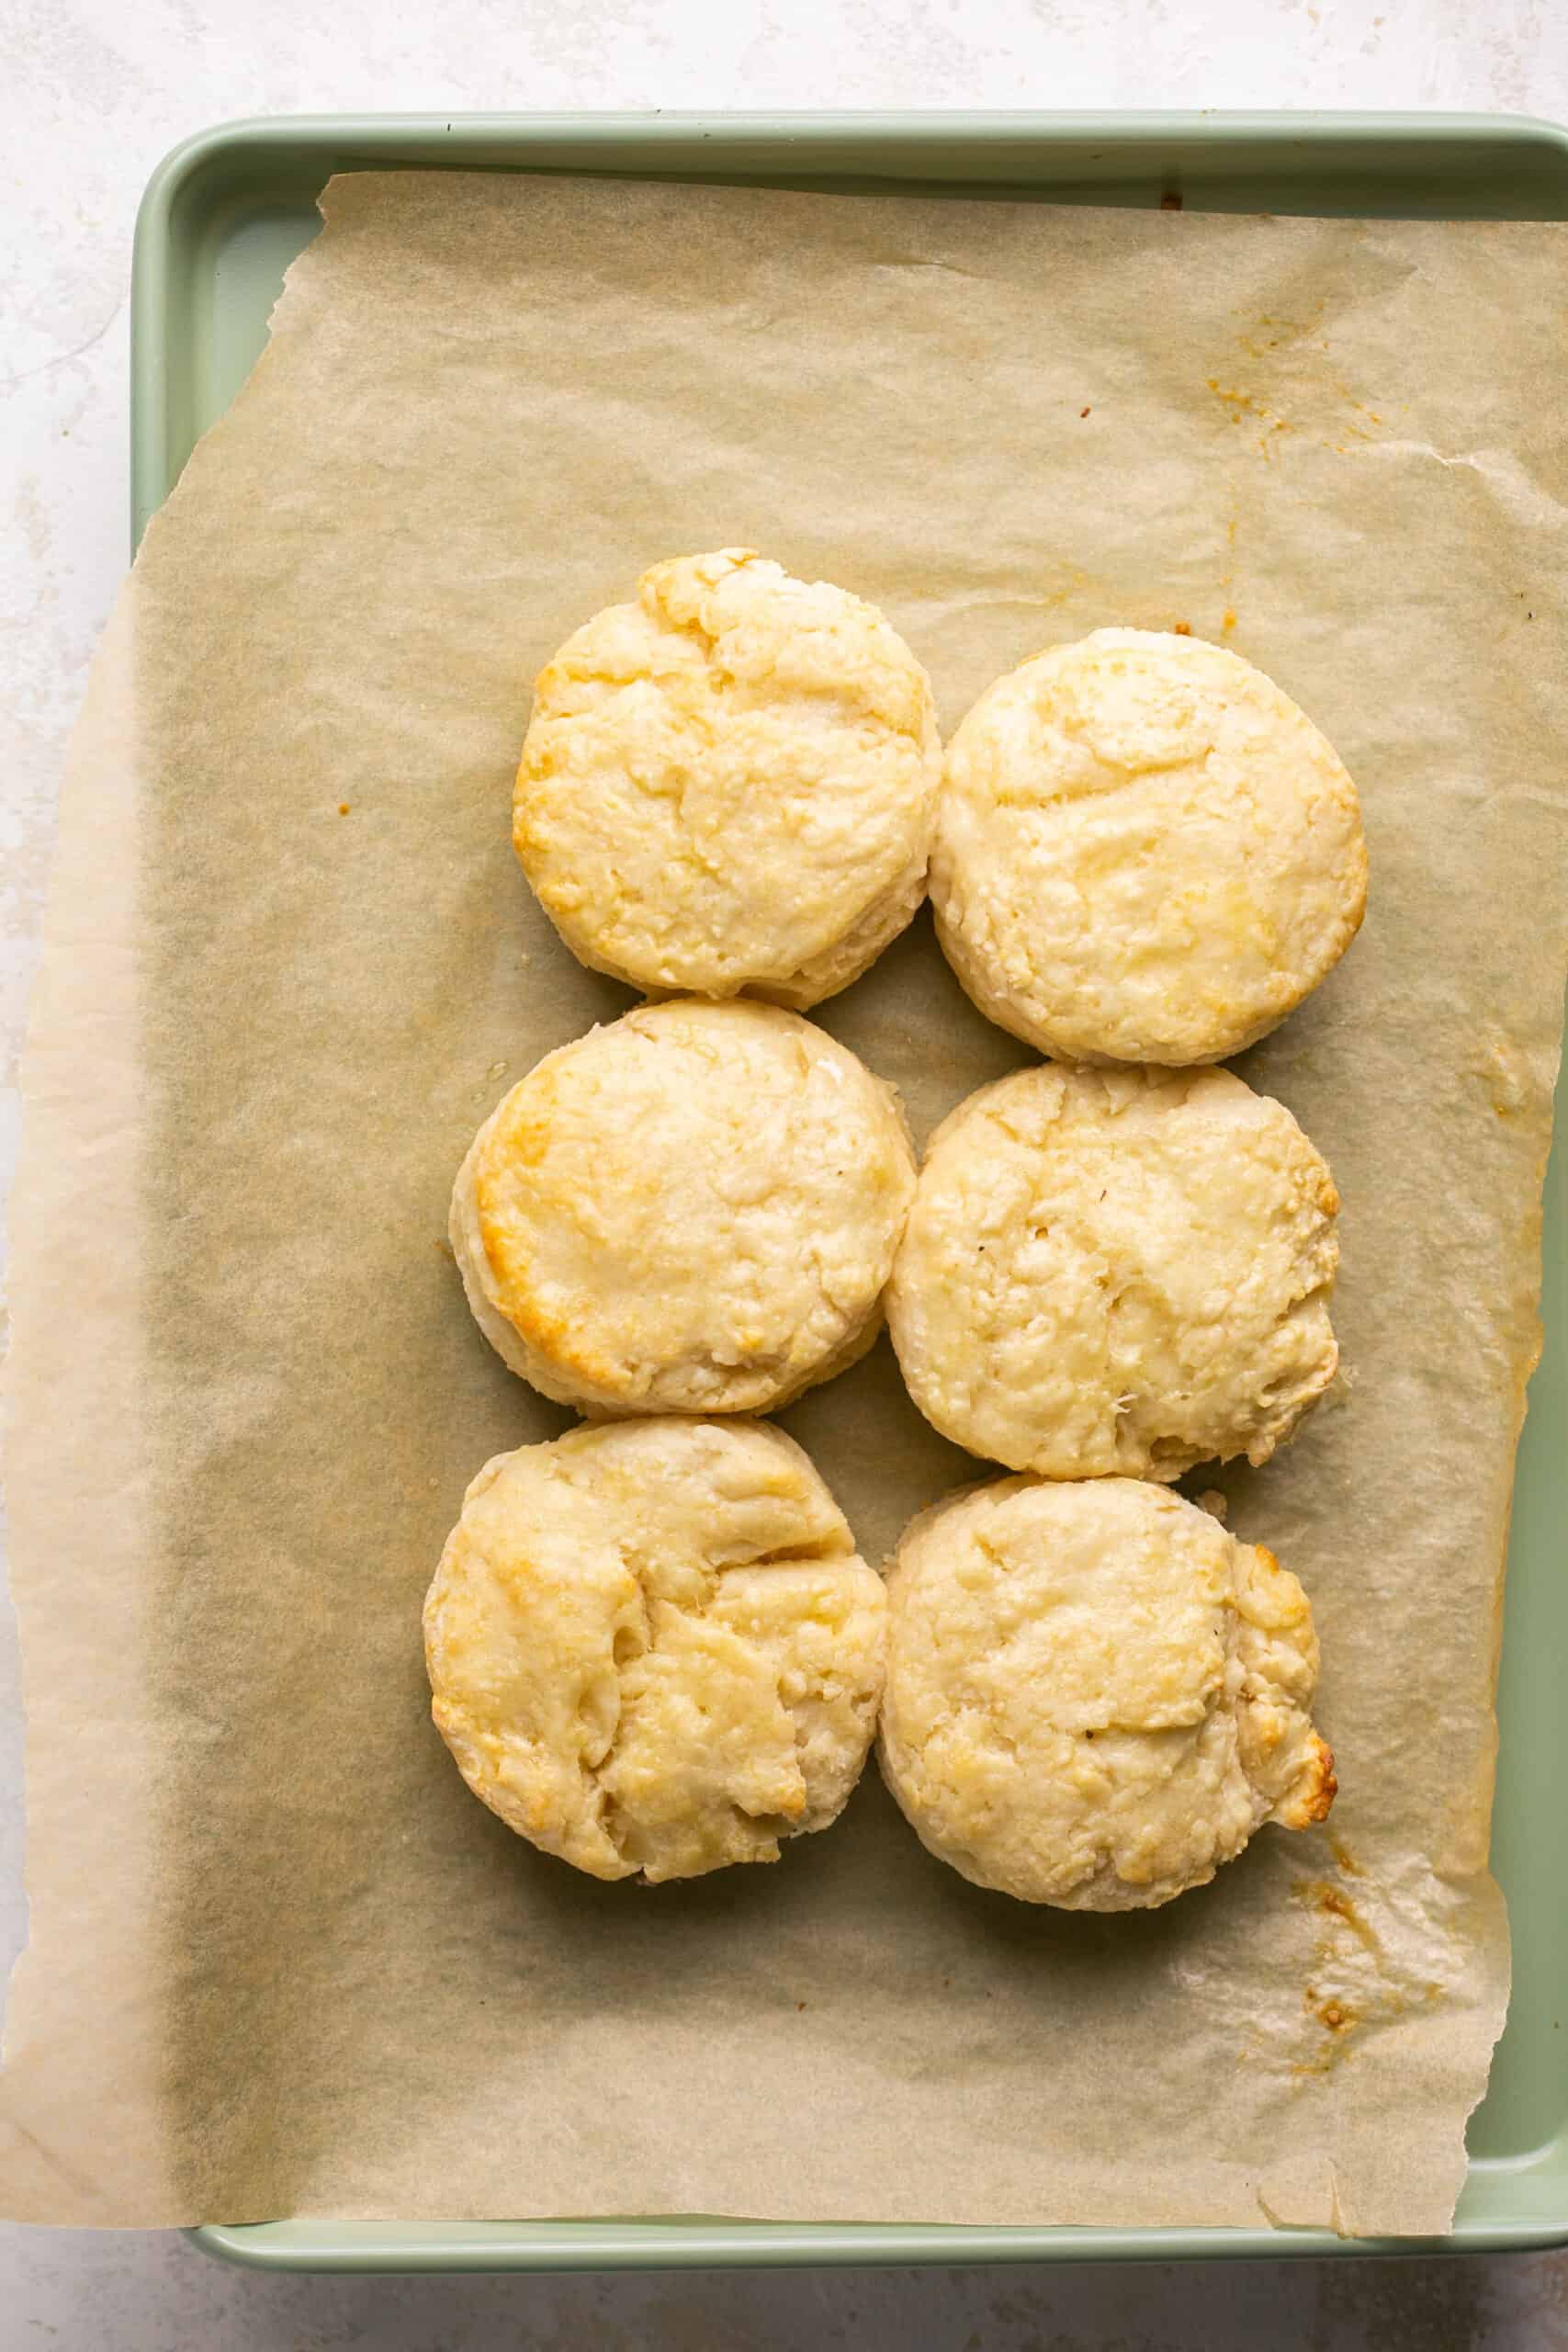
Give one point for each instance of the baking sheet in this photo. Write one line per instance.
(281, 1962)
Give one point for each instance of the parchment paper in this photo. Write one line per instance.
(281, 1961)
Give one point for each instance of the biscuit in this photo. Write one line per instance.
(653, 1647)
(1144, 851)
(692, 1210)
(730, 784)
(1117, 1270)
(1095, 1695)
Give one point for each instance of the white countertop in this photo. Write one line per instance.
(96, 92)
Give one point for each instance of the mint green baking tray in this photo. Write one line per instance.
(222, 218)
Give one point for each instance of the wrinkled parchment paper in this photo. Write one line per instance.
(281, 1961)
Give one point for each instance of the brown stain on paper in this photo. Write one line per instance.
(1329, 2005)
(1332, 1900)
(1284, 355)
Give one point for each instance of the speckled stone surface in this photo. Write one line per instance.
(94, 93)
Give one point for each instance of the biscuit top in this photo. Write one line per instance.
(1112, 1271)
(1096, 1694)
(719, 781)
(1144, 851)
(653, 1645)
(694, 1209)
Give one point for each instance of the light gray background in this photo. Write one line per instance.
(92, 93)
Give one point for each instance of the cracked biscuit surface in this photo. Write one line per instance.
(694, 1209)
(1095, 1694)
(730, 784)
(1117, 1270)
(653, 1647)
(1144, 851)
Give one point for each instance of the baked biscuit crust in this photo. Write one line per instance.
(1117, 1272)
(653, 1647)
(1144, 851)
(694, 1209)
(1095, 1695)
(730, 784)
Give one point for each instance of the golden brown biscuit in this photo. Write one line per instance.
(1144, 851)
(1112, 1271)
(653, 1646)
(1094, 1694)
(730, 783)
(692, 1210)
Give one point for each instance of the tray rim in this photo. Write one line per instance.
(666, 139)
(679, 2242)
